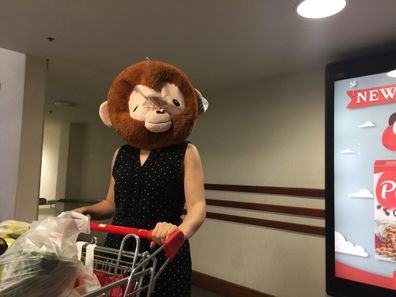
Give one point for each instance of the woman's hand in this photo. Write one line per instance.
(161, 232)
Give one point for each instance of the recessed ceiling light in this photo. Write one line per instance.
(316, 9)
(64, 103)
(391, 73)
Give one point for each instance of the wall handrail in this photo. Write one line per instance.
(289, 191)
(293, 210)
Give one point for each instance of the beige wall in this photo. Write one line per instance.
(266, 132)
(269, 133)
(12, 80)
(28, 188)
(100, 145)
(49, 164)
(76, 155)
(62, 160)
(21, 124)
(54, 160)
(91, 149)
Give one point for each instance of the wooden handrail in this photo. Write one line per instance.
(300, 211)
(299, 192)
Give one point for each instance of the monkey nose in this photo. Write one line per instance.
(160, 111)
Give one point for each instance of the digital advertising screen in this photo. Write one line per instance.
(361, 177)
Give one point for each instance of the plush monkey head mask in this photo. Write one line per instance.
(151, 105)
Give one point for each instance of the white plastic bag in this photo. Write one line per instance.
(10, 230)
(87, 282)
(86, 279)
(43, 261)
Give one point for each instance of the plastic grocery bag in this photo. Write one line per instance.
(11, 230)
(86, 282)
(43, 261)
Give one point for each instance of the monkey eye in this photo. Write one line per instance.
(176, 102)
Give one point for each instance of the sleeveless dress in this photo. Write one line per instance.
(147, 194)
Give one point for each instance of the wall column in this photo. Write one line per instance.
(22, 98)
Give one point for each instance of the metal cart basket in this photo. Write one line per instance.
(129, 273)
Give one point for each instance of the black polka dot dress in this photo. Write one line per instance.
(151, 193)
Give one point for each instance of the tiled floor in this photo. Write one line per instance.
(199, 292)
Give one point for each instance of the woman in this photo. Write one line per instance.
(157, 173)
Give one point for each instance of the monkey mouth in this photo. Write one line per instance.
(158, 127)
(157, 122)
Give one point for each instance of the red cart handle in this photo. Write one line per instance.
(171, 245)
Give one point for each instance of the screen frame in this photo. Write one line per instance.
(353, 68)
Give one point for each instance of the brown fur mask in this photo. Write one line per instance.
(151, 105)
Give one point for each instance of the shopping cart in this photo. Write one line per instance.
(125, 273)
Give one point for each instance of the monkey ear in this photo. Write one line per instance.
(104, 114)
(203, 104)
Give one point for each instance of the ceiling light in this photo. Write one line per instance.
(391, 73)
(316, 9)
(64, 103)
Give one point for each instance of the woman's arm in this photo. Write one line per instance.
(106, 208)
(195, 199)
(194, 192)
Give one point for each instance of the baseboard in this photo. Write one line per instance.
(223, 287)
